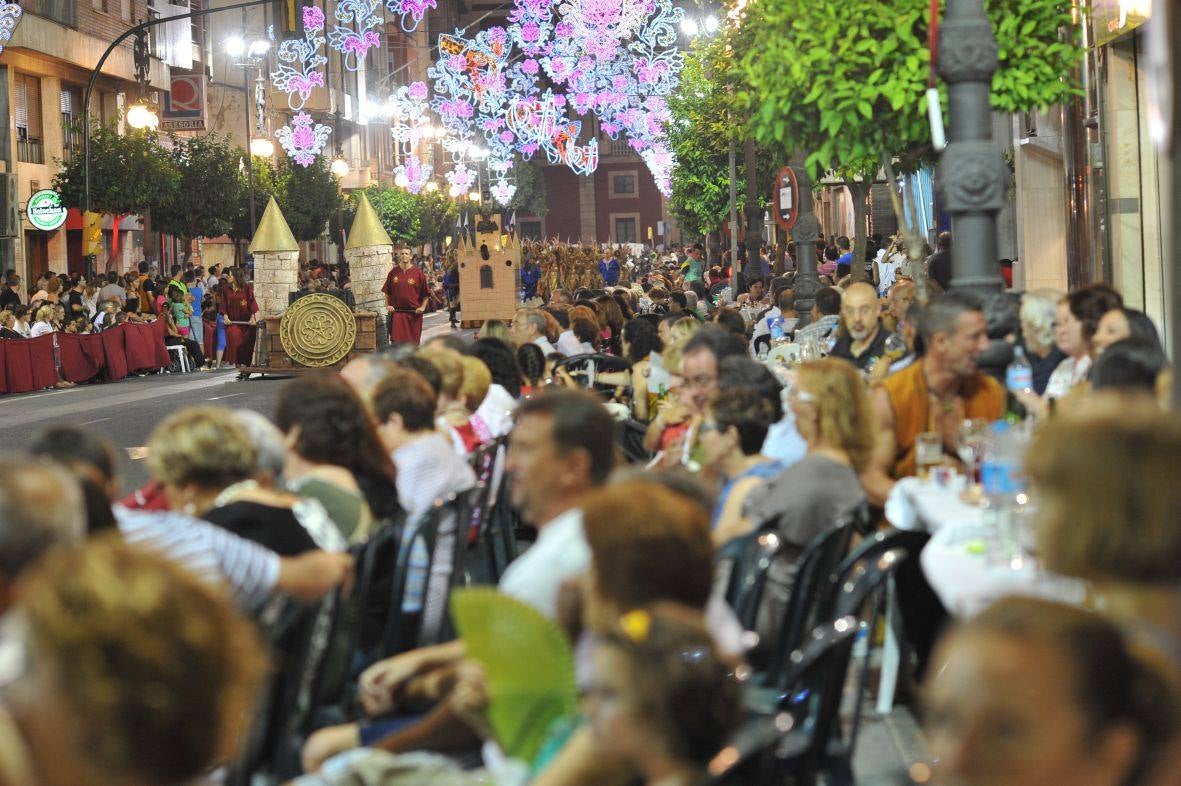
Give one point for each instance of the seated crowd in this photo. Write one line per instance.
(146, 623)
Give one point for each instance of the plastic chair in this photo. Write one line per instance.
(794, 742)
(181, 360)
(742, 564)
(594, 364)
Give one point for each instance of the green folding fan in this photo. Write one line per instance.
(528, 663)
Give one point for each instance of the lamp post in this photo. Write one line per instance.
(138, 30)
(804, 234)
(250, 55)
(972, 177)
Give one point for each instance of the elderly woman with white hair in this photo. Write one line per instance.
(1038, 313)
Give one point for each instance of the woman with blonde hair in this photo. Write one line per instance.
(208, 466)
(1038, 314)
(495, 328)
(834, 416)
(138, 673)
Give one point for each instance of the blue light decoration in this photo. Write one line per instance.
(10, 15)
(411, 12)
(353, 36)
(303, 138)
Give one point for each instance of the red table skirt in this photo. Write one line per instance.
(28, 364)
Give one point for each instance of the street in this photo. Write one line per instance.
(127, 411)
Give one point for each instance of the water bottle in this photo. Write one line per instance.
(1004, 489)
(775, 325)
(1019, 374)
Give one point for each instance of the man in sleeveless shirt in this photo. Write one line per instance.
(936, 393)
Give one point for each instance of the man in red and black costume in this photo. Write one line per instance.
(406, 299)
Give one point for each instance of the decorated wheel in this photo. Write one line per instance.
(317, 330)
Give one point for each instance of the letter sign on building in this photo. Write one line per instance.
(45, 210)
(786, 199)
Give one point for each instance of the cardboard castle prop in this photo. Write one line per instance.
(489, 275)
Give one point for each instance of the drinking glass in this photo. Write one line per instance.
(928, 452)
(970, 444)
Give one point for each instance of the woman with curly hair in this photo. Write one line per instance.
(138, 673)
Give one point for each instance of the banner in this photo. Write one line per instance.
(184, 104)
(1114, 18)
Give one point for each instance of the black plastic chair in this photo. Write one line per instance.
(794, 742)
(742, 565)
(599, 362)
(813, 586)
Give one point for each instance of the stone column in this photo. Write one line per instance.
(370, 254)
(972, 177)
(276, 261)
(804, 234)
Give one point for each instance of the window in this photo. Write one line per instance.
(100, 5)
(625, 230)
(623, 185)
(486, 277)
(63, 11)
(71, 107)
(530, 230)
(27, 104)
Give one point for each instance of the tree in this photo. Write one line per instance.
(204, 198)
(437, 214)
(267, 184)
(308, 196)
(530, 197)
(844, 82)
(129, 173)
(397, 210)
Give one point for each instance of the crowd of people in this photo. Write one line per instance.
(210, 312)
(646, 427)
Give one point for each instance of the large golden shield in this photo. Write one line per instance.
(317, 330)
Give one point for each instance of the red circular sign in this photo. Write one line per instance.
(786, 199)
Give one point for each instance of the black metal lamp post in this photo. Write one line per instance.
(804, 234)
(972, 179)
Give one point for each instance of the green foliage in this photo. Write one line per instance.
(128, 173)
(206, 166)
(397, 210)
(309, 197)
(844, 81)
(436, 217)
(700, 135)
(530, 198)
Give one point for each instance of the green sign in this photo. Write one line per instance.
(45, 210)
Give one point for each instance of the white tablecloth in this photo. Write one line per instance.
(956, 560)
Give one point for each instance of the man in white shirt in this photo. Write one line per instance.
(529, 326)
(563, 445)
(428, 467)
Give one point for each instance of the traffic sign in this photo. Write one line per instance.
(786, 198)
(45, 210)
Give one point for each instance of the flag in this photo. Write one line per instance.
(510, 226)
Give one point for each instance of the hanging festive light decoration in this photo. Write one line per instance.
(353, 35)
(10, 15)
(411, 124)
(411, 12)
(300, 59)
(303, 139)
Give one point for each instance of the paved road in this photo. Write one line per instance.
(127, 411)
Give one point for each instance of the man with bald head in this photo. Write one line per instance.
(365, 373)
(864, 340)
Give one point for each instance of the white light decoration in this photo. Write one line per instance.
(432, 186)
(353, 36)
(10, 15)
(297, 73)
(474, 196)
(304, 139)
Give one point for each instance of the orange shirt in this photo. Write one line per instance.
(983, 398)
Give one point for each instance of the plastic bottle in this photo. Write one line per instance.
(1004, 489)
(1019, 374)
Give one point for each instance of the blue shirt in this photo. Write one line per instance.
(846, 259)
(609, 268)
(766, 471)
(198, 292)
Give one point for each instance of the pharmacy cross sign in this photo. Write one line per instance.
(45, 210)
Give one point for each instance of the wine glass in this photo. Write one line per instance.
(970, 444)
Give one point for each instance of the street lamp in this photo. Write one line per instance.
(454, 191)
(432, 186)
(474, 196)
(141, 114)
(340, 167)
(690, 27)
(261, 147)
(401, 181)
(711, 24)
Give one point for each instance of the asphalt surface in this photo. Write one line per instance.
(125, 412)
